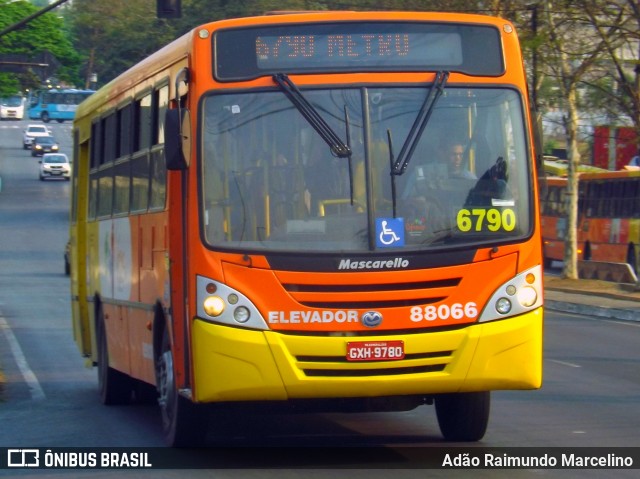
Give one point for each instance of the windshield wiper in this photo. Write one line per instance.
(337, 146)
(419, 124)
(347, 126)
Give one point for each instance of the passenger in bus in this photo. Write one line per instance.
(430, 171)
(453, 152)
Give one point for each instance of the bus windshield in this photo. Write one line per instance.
(269, 181)
(11, 101)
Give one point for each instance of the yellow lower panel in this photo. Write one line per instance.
(509, 355)
(233, 365)
(238, 365)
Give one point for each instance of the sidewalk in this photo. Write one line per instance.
(589, 297)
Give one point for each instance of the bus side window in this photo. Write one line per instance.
(550, 202)
(627, 201)
(633, 198)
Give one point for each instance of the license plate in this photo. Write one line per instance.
(375, 350)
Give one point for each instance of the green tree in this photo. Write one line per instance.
(575, 53)
(112, 36)
(615, 83)
(45, 33)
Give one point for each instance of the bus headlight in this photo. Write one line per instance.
(218, 303)
(503, 306)
(213, 306)
(241, 314)
(527, 296)
(519, 295)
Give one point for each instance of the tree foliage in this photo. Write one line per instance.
(131, 31)
(46, 33)
(111, 36)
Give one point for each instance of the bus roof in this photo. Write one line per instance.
(182, 48)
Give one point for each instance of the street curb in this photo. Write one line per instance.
(599, 312)
(619, 296)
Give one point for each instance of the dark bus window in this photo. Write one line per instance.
(122, 180)
(110, 138)
(142, 125)
(158, 180)
(124, 125)
(105, 191)
(96, 144)
(140, 183)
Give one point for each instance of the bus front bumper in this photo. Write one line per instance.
(231, 364)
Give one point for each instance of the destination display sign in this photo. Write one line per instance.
(248, 53)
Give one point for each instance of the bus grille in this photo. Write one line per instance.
(351, 373)
(331, 366)
(360, 295)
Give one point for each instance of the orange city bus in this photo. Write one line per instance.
(263, 216)
(608, 217)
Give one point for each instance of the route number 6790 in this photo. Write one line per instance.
(444, 312)
(481, 219)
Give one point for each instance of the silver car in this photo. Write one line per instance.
(55, 165)
(33, 131)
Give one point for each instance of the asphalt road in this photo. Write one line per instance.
(590, 396)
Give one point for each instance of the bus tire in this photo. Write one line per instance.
(60, 120)
(183, 422)
(463, 416)
(44, 116)
(114, 386)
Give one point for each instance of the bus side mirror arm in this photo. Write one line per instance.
(177, 146)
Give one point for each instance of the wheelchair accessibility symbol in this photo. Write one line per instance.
(389, 232)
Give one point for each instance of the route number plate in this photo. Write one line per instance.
(375, 350)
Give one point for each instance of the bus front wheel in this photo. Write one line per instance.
(183, 423)
(463, 416)
(44, 116)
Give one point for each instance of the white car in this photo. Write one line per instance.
(55, 165)
(32, 131)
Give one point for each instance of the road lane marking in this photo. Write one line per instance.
(564, 363)
(21, 361)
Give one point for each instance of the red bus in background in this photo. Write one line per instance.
(614, 146)
(553, 212)
(608, 217)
